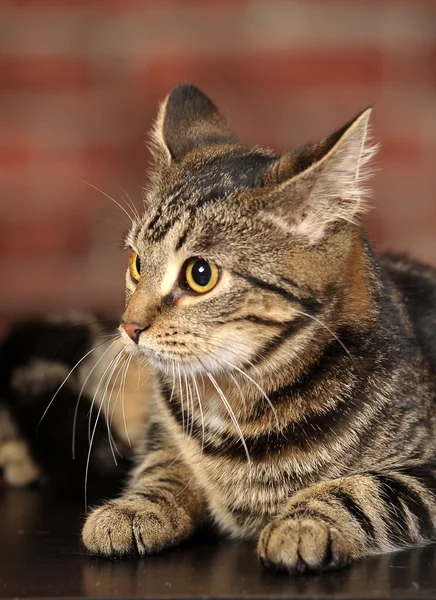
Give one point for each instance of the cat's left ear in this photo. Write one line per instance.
(187, 120)
(322, 183)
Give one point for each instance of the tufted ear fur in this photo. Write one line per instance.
(323, 183)
(187, 120)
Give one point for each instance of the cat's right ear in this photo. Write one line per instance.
(323, 183)
(188, 120)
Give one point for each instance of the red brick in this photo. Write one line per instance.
(16, 155)
(280, 89)
(38, 239)
(277, 70)
(411, 65)
(379, 3)
(60, 282)
(399, 150)
(107, 163)
(45, 74)
(124, 5)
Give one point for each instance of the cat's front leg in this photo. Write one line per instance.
(160, 508)
(332, 523)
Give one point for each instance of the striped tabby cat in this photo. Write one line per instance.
(296, 370)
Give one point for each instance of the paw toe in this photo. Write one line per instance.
(314, 544)
(108, 531)
(300, 545)
(152, 532)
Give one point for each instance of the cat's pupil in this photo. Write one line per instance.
(201, 272)
(138, 264)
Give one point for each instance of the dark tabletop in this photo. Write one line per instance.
(41, 556)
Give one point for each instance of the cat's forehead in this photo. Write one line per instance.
(210, 176)
(229, 171)
(203, 180)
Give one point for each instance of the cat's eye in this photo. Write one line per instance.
(201, 275)
(135, 265)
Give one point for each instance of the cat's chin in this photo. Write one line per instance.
(154, 359)
(167, 365)
(170, 366)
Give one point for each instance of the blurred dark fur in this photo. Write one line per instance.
(35, 357)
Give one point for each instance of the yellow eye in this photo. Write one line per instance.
(135, 266)
(201, 275)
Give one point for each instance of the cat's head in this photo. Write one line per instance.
(239, 249)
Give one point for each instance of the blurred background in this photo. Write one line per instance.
(80, 83)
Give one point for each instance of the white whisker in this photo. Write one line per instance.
(181, 398)
(238, 387)
(88, 458)
(174, 379)
(110, 198)
(233, 418)
(81, 392)
(100, 383)
(191, 404)
(257, 386)
(188, 407)
(112, 412)
(332, 333)
(65, 380)
(112, 443)
(129, 360)
(139, 374)
(201, 411)
(130, 203)
(117, 397)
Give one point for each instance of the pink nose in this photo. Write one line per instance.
(134, 330)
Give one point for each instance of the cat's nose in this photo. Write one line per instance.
(134, 330)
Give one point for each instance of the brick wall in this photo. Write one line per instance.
(79, 86)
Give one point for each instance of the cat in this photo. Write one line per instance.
(45, 427)
(296, 370)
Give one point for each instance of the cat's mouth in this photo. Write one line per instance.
(170, 361)
(155, 358)
(196, 354)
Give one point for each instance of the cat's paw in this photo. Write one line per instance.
(135, 526)
(302, 544)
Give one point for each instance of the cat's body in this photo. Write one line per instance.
(350, 404)
(296, 371)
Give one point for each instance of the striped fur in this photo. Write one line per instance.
(296, 400)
